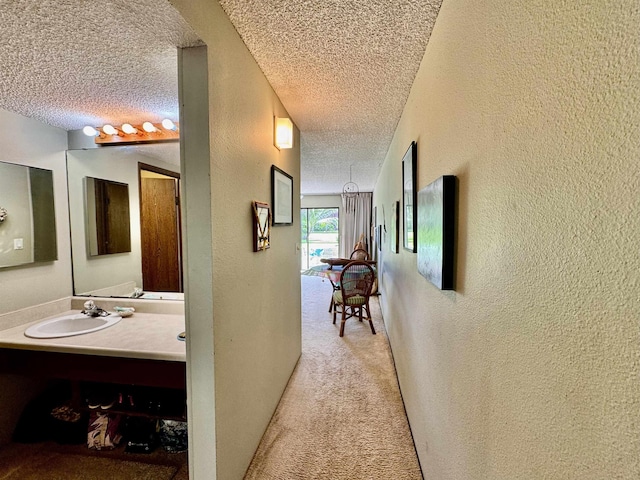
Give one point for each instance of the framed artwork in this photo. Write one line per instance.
(261, 226)
(394, 228)
(409, 200)
(379, 237)
(281, 196)
(373, 222)
(436, 232)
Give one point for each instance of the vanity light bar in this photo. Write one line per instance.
(167, 131)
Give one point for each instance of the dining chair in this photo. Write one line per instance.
(336, 288)
(356, 281)
(359, 254)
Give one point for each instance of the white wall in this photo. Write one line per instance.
(256, 296)
(530, 369)
(29, 142)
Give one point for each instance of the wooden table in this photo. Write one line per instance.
(341, 262)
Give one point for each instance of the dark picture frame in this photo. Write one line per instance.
(436, 232)
(281, 196)
(409, 199)
(395, 227)
(261, 215)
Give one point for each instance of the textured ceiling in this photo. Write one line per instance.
(76, 62)
(342, 68)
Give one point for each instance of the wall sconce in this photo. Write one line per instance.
(282, 133)
(166, 131)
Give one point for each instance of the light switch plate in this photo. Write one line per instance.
(18, 243)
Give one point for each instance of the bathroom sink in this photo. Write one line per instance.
(69, 325)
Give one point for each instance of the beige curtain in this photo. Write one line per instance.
(355, 220)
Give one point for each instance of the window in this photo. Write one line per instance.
(319, 230)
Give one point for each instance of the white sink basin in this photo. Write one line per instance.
(69, 325)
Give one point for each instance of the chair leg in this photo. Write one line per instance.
(366, 307)
(373, 330)
(331, 304)
(344, 319)
(335, 308)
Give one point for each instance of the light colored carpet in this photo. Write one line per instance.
(341, 416)
(50, 461)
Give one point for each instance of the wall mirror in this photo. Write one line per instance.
(27, 216)
(107, 216)
(128, 245)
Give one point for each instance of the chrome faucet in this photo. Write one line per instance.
(137, 293)
(92, 310)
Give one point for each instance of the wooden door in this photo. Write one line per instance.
(160, 232)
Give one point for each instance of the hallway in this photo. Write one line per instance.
(341, 416)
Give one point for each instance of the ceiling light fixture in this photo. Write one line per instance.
(148, 132)
(282, 133)
(129, 129)
(350, 189)
(90, 131)
(149, 127)
(169, 125)
(109, 129)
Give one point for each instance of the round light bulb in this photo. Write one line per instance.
(128, 128)
(90, 131)
(148, 127)
(109, 130)
(168, 124)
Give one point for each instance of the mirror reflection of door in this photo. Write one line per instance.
(160, 229)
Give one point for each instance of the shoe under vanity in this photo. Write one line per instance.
(127, 381)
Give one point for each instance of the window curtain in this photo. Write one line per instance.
(356, 220)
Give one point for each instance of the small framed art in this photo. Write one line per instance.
(394, 230)
(261, 226)
(409, 199)
(436, 232)
(281, 196)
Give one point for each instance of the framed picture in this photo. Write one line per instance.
(394, 229)
(373, 223)
(436, 232)
(281, 196)
(379, 237)
(261, 226)
(409, 200)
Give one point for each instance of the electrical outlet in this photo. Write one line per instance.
(18, 243)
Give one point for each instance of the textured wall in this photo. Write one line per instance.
(32, 143)
(256, 296)
(29, 285)
(530, 369)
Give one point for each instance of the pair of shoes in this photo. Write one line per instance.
(125, 401)
(100, 396)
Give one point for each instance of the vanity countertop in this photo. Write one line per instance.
(148, 336)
